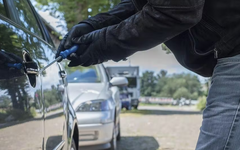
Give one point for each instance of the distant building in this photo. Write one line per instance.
(53, 33)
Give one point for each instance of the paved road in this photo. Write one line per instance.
(150, 128)
(160, 128)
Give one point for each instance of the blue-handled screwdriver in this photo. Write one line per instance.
(63, 55)
(66, 53)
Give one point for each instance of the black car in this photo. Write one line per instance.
(35, 112)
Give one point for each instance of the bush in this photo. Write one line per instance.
(33, 112)
(202, 103)
(16, 113)
(19, 115)
(2, 117)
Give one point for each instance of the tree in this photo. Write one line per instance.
(148, 83)
(177, 85)
(181, 93)
(166, 49)
(202, 103)
(162, 74)
(5, 101)
(51, 96)
(161, 81)
(75, 11)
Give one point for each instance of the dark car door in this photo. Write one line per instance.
(21, 107)
(31, 104)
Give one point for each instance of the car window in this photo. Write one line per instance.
(123, 88)
(132, 82)
(27, 18)
(83, 74)
(2, 9)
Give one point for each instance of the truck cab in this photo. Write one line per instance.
(132, 74)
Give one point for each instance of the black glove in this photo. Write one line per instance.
(91, 49)
(76, 31)
(94, 49)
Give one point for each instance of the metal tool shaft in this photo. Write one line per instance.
(63, 55)
(57, 59)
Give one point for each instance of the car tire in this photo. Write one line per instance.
(73, 145)
(136, 107)
(129, 107)
(119, 132)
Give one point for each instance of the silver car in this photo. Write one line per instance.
(95, 99)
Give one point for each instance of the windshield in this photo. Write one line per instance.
(83, 74)
(132, 82)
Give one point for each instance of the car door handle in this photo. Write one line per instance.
(30, 66)
(62, 74)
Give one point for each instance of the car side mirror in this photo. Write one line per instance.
(119, 81)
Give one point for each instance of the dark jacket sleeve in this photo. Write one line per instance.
(120, 12)
(157, 22)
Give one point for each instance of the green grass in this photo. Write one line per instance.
(148, 104)
(151, 104)
(135, 112)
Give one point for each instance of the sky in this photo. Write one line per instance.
(154, 59)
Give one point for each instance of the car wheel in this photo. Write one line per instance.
(129, 107)
(119, 132)
(136, 107)
(73, 145)
(113, 142)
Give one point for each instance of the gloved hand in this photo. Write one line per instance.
(95, 48)
(76, 31)
(92, 49)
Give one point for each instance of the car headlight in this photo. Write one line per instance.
(94, 105)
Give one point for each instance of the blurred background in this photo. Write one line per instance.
(170, 99)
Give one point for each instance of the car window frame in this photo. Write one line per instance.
(107, 73)
(18, 21)
(43, 28)
(6, 9)
(10, 14)
(12, 19)
(15, 18)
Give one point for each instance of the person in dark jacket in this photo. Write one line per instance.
(203, 35)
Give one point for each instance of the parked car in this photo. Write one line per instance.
(125, 98)
(35, 112)
(95, 99)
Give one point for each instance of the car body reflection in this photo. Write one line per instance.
(34, 109)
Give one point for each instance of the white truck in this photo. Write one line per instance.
(132, 74)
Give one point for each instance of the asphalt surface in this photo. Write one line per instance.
(160, 128)
(149, 128)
